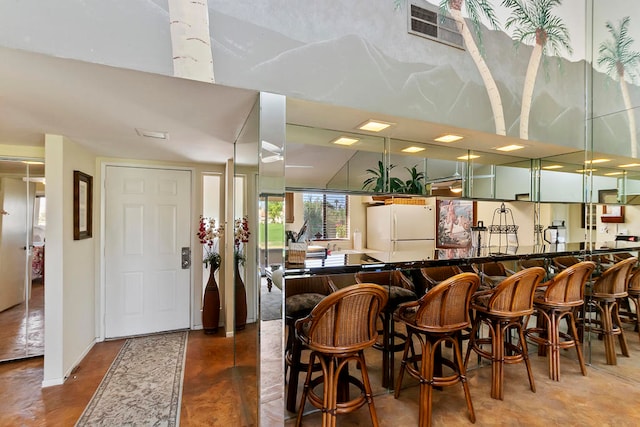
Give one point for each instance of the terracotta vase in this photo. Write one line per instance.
(240, 300)
(211, 305)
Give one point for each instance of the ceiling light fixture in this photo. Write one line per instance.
(614, 173)
(449, 138)
(298, 166)
(629, 165)
(468, 157)
(273, 158)
(594, 161)
(374, 125)
(456, 190)
(343, 140)
(511, 147)
(32, 162)
(550, 167)
(413, 149)
(152, 133)
(586, 170)
(39, 180)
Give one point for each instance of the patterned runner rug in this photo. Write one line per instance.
(143, 386)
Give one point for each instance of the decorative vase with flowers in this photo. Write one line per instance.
(210, 234)
(241, 238)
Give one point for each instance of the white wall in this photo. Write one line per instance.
(70, 264)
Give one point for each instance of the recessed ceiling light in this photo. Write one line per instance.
(629, 165)
(40, 180)
(153, 133)
(343, 140)
(374, 125)
(467, 157)
(511, 147)
(614, 173)
(32, 162)
(449, 138)
(299, 166)
(594, 161)
(272, 158)
(413, 149)
(553, 167)
(456, 190)
(586, 170)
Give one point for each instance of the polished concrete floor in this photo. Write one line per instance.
(607, 396)
(215, 392)
(218, 394)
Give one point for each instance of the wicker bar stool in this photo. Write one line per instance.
(302, 294)
(400, 289)
(633, 291)
(491, 273)
(604, 299)
(503, 309)
(560, 298)
(562, 262)
(433, 276)
(438, 317)
(338, 330)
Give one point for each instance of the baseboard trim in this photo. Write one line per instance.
(60, 381)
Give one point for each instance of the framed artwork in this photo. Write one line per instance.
(455, 219)
(82, 205)
(612, 214)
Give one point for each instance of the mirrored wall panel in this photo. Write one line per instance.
(22, 251)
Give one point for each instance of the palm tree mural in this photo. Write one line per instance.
(619, 61)
(535, 23)
(475, 9)
(190, 40)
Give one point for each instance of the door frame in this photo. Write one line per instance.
(101, 296)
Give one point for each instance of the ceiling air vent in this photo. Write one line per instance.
(426, 21)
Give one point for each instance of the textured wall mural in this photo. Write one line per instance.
(496, 85)
(524, 71)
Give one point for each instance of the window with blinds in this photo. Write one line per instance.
(326, 215)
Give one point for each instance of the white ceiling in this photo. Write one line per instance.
(100, 107)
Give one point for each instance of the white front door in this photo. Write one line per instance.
(147, 223)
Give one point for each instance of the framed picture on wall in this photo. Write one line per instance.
(82, 205)
(455, 219)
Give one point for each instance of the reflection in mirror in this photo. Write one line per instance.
(267, 196)
(242, 259)
(22, 226)
(319, 158)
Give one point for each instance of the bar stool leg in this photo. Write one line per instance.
(294, 373)
(367, 388)
(607, 326)
(403, 364)
(525, 356)
(621, 337)
(576, 341)
(463, 379)
(554, 340)
(497, 362)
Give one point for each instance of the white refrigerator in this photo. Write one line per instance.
(400, 233)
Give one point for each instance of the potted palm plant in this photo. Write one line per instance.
(376, 182)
